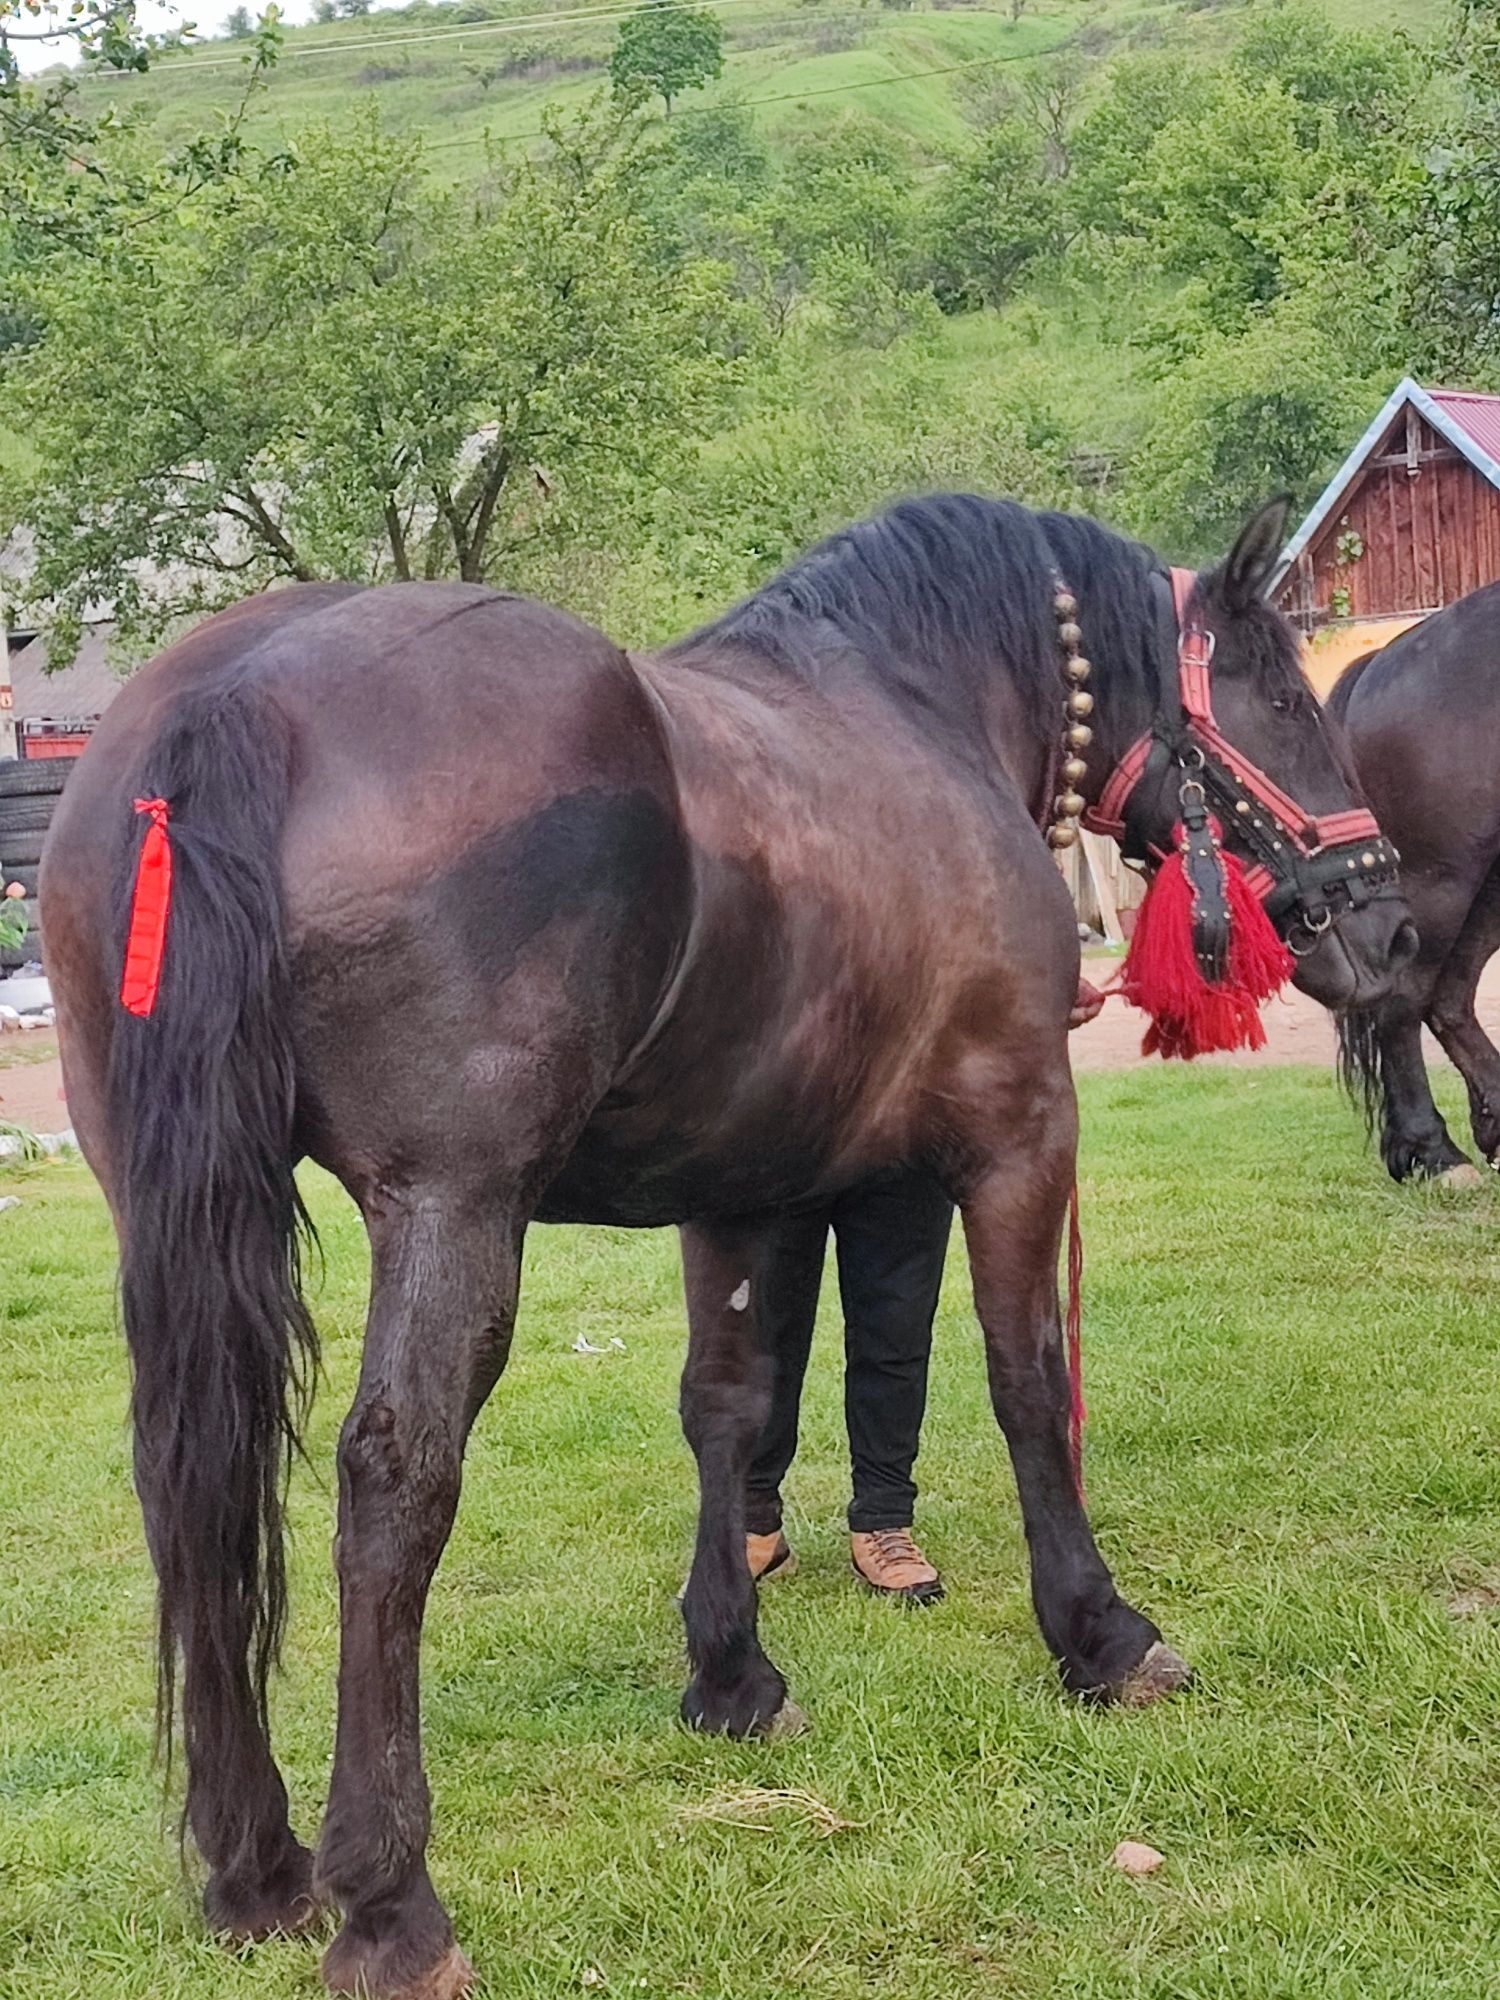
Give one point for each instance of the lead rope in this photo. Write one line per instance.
(1073, 1324)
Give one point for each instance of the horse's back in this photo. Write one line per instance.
(482, 871)
(1404, 709)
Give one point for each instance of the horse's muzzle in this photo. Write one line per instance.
(1361, 955)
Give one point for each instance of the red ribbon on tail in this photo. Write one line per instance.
(146, 939)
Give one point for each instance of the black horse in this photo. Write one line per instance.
(715, 932)
(1422, 720)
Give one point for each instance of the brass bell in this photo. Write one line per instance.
(1065, 604)
(1061, 836)
(1069, 804)
(1079, 736)
(1078, 668)
(1070, 634)
(1074, 770)
(1080, 702)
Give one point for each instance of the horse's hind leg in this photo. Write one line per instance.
(1452, 1018)
(726, 1397)
(1013, 1215)
(445, 1265)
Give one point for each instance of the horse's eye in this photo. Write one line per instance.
(1282, 703)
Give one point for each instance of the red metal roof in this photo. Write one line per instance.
(1478, 416)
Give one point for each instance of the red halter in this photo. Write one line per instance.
(1284, 821)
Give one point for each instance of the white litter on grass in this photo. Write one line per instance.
(9, 1201)
(583, 1345)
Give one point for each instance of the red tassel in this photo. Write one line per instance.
(1077, 1415)
(147, 937)
(1189, 1017)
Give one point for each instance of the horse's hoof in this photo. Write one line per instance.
(789, 1720)
(282, 1907)
(450, 1979)
(1459, 1180)
(1162, 1672)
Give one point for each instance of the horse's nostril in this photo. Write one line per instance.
(1403, 944)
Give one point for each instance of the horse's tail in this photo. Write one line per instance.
(202, 1101)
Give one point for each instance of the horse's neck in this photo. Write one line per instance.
(1120, 716)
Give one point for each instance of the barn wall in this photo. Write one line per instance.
(1430, 524)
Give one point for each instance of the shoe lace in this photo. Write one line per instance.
(894, 1545)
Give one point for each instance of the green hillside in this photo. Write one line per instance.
(941, 246)
(466, 68)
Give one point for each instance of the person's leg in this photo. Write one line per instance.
(892, 1240)
(790, 1274)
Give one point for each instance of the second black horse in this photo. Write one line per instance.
(1422, 720)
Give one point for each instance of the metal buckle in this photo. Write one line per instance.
(1311, 930)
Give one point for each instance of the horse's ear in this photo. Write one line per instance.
(1254, 555)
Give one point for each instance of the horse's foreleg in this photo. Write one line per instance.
(726, 1397)
(1414, 1140)
(1013, 1219)
(442, 1308)
(1452, 1018)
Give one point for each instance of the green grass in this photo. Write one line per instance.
(774, 55)
(1292, 1465)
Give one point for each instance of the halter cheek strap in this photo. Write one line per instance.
(1302, 860)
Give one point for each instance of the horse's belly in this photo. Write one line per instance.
(615, 1175)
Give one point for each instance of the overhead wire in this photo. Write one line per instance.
(561, 17)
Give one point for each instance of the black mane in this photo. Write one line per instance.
(935, 593)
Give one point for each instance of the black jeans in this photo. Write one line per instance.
(891, 1238)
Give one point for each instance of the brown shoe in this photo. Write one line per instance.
(890, 1561)
(768, 1556)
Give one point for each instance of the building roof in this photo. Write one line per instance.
(84, 689)
(1470, 422)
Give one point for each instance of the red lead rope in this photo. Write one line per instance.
(147, 937)
(1074, 1328)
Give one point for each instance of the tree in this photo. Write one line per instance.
(666, 48)
(338, 366)
(1251, 414)
(71, 177)
(238, 24)
(1451, 290)
(851, 188)
(990, 217)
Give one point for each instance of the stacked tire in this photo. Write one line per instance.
(29, 791)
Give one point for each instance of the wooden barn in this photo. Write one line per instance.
(1409, 522)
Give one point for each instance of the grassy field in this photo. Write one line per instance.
(800, 61)
(1293, 1464)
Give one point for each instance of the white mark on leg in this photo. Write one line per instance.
(739, 1298)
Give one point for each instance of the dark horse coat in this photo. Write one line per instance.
(705, 934)
(1418, 716)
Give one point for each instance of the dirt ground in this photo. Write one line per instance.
(31, 1093)
(1297, 1031)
